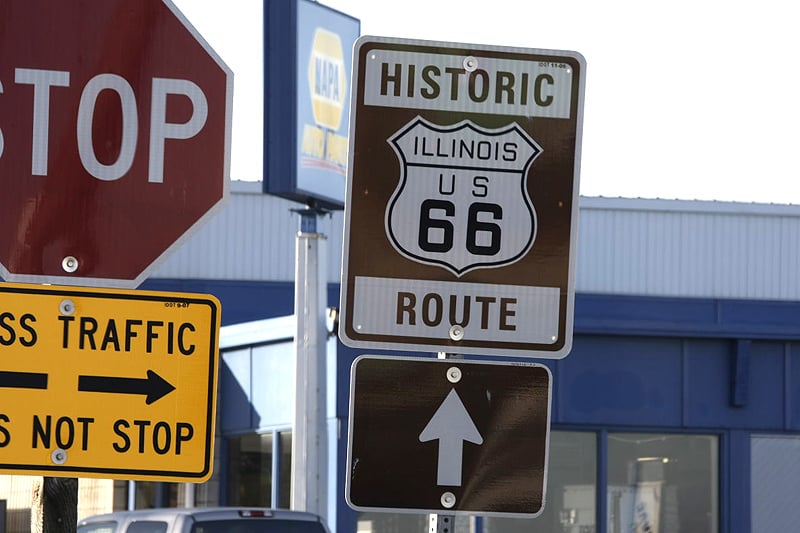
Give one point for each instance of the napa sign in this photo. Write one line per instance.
(307, 109)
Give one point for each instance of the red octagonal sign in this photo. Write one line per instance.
(114, 138)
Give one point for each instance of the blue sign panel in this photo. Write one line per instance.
(308, 59)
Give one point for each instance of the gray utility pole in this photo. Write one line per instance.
(444, 523)
(309, 438)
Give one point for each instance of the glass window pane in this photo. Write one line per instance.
(391, 523)
(250, 470)
(98, 527)
(662, 483)
(571, 489)
(258, 526)
(152, 494)
(147, 526)
(285, 479)
(774, 471)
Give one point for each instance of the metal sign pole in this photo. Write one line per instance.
(443, 523)
(309, 440)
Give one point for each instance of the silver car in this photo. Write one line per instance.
(204, 520)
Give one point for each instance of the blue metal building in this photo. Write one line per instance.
(676, 410)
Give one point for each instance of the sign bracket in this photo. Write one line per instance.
(443, 522)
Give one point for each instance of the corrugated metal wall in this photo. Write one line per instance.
(625, 246)
(252, 238)
(690, 249)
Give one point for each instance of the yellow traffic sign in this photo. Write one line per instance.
(107, 383)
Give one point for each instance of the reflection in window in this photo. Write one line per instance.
(571, 489)
(153, 494)
(407, 523)
(250, 470)
(257, 526)
(147, 526)
(657, 483)
(251, 459)
(390, 522)
(285, 478)
(98, 527)
(662, 483)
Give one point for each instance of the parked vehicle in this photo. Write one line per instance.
(204, 520)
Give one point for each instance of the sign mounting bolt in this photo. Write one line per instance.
(470, 63)
(67, 307)
(456, 332)
(448, 500)
(69, 264)
(453, 374)
(59, 456)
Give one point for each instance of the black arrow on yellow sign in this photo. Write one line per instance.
(153, 386)
(23, 380)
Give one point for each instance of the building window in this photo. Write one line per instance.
(657, 483)
(662, 483)
(252, 461)
(284, 484)
(774, 471)
(392, 523)
(571, 489)
(153, 494)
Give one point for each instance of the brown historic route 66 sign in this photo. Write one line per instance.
(461, 204)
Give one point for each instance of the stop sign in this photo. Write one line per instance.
(114, 138)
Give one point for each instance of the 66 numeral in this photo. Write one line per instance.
(427, 225)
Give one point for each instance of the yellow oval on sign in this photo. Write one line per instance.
(327, 79)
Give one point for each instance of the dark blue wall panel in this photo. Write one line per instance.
(792, 386)
(723, 367)
(242, 301)
(636, 361)
(630, 381)
(237, 413)
(711, 377)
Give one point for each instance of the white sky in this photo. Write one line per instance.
(691, 99)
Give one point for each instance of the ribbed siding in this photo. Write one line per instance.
(625, 246)
(691, 249)
(253, 238)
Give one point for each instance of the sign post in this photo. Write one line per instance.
(310, 437)
(460, 237)
(114, 138)
(462, 198)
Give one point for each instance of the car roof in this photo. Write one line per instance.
(201, 514)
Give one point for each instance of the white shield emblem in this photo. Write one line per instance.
(462, 202)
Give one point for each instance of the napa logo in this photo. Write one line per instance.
(322, 146)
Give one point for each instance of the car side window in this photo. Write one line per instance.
(147, 526)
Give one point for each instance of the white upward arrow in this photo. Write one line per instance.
(451, 425)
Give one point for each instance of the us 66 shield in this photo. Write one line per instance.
(462, 198)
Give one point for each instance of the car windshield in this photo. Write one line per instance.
(271, 525)
(139, 526)
(98, 527)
